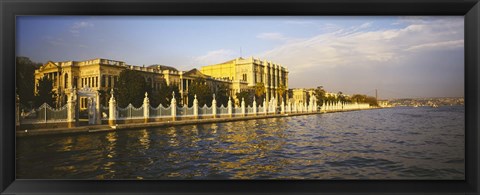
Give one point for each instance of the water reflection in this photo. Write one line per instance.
(144, 139)
(399, 143)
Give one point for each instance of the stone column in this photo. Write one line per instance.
(270, 105)
(195, 107)
(112, 110)
(98, 113)
(146, 108)
(274, 105)
(267, 94)
(243, 106)
(229, 106)
(173, 105)
(265, 106)
(282, 108)
(289, 107)
(214, 107)
(312, 104)
(324, 106)
(71, 111)
(254, 106)
(270, 74)
(274, 80)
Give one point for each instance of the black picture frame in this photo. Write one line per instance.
(470, 9)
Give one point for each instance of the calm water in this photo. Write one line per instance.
(396, 143)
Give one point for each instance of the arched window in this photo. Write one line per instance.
(149, 81)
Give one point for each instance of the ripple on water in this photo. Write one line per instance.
(397, 143)
(359, 162)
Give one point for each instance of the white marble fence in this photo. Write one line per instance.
(43, 114)
(47, 114)
(173, 111)
(329, 106)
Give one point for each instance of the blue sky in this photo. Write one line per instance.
(399, 56)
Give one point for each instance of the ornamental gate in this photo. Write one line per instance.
(89, 99)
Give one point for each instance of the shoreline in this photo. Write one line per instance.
(129, 126)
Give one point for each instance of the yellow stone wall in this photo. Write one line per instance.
(299, 96)
(251, 71)
(224, 71)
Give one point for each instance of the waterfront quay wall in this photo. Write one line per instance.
(167, 123)
(47, 120)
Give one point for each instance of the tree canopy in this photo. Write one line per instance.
(25, 80)
(44, 92)
(281, 90)
(364, 99)
(164, 95)
(130, 88)
(247, 96)
(259, 92)
(221, 95)
(200, 88)
(320, 95)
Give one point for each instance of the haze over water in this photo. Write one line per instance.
(394, 143)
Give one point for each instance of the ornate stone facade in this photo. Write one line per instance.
(102, 75)
(251, 71)
(97, 74)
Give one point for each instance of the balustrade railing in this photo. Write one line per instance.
(44, 114)
(47, 114)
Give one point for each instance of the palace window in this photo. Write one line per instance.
(75, 80)
(103, 81)
(65, 85)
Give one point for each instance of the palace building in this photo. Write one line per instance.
(300, 95)
(251, 71)
(96, 74)
(102, 75)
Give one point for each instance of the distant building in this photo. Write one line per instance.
(251, 71)
(299, 96)
(383, 103)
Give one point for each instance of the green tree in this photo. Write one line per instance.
(169, 90)
(104, 97)
(221, 95)
(372, 101)
(247, 96)
(200, 88)
(25, 83)
(164, 95)
(320, 95)
(130, 88)
(358, 98)
(259, 93)
(45, 93)
(341, 97)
